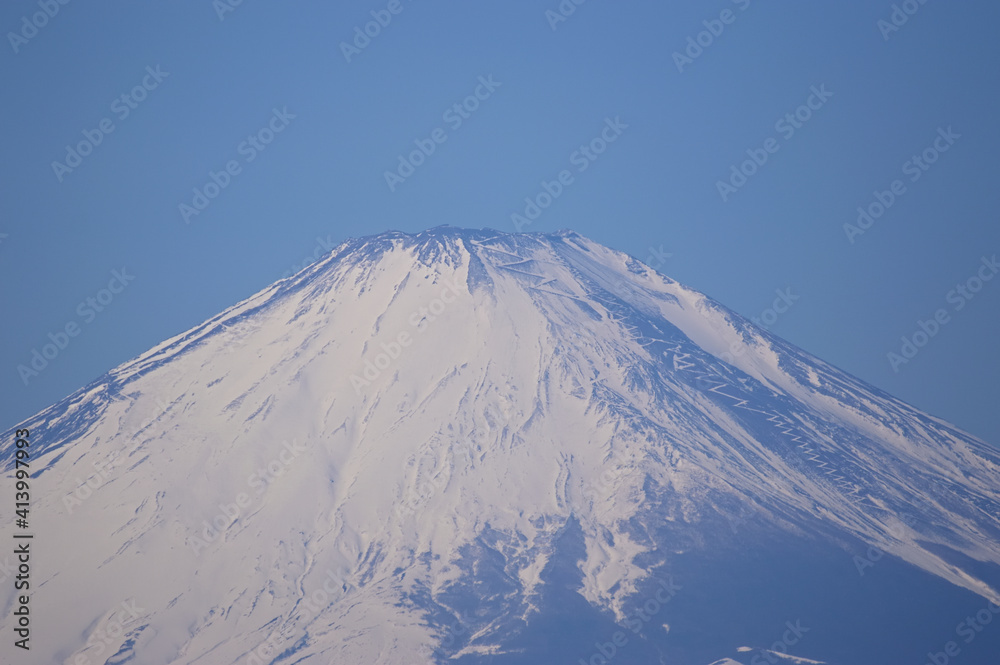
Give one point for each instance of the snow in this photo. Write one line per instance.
(554, 380)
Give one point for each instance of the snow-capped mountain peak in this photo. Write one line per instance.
(444, 443)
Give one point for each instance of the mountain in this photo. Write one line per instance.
(470, 447)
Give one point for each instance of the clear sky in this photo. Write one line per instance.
(163, 95)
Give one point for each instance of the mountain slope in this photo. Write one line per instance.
(484, 447)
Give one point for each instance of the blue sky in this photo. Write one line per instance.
(206, 88)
